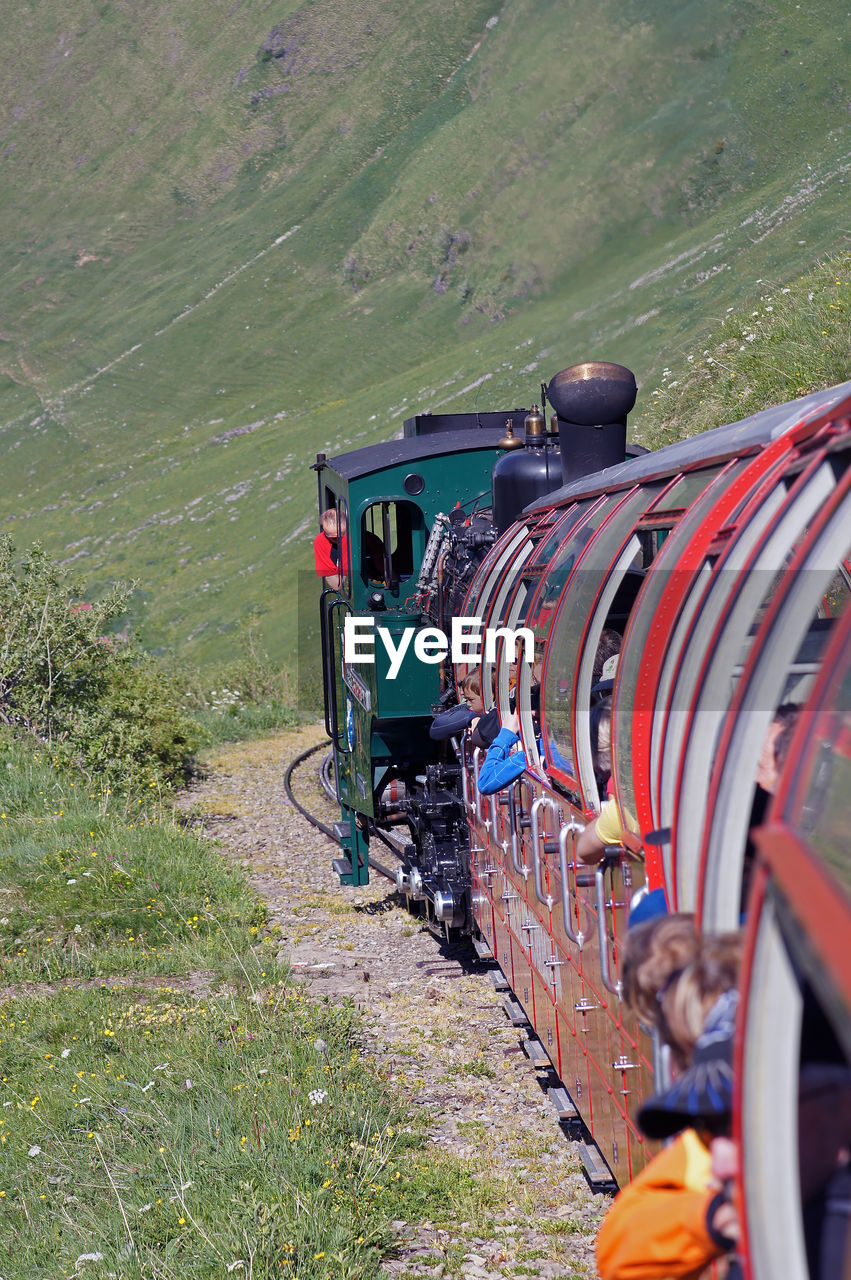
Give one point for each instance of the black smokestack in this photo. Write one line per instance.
(591, 401)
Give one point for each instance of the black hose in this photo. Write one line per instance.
(314, 822)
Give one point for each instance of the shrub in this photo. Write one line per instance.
(68, 681)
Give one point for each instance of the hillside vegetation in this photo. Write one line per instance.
(173, 1102)
(233, 235)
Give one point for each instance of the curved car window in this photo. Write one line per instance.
(567, 700)
(633, 653)
(823, 816)
(559, 680)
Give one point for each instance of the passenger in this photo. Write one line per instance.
(653, 952)
(676, 1217)
(606, 830)
(485, 724)
(608, 646)
(467, 714)
(603, 833)
(687, 1001)
(330, 547)
(772, 757)
(775, 748)
(601, 743)
(504, 762)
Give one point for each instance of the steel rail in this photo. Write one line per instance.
(311, 818)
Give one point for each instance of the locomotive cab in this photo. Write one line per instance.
(379, 692)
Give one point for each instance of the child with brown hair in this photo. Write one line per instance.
(675, 1218)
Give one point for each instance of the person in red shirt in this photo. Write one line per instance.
(331, 547)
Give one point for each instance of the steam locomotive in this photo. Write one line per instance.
(721, 566)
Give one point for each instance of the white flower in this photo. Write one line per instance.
(88, 1257)
(35, 1150)
(810, 297)
(317, 1096)
(785, 290)
(769, 308)
(70, 881)
(78, 928)
(187, 1084)
(319, 1045)
(5, 920)
(66, 1053)
(146, 1208)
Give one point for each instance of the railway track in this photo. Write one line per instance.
(438, 1028)
(569, 1118)
(326, 776)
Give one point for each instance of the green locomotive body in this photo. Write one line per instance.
(389, 497)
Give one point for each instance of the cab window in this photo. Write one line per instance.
(392, 542)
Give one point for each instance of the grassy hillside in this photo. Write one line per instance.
(235, 234)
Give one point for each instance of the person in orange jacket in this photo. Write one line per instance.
(675, 1217)
(669, 1223)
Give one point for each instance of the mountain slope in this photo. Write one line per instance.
(238, 234)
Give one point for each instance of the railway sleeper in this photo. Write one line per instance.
(537, 1054)
(598, 1173)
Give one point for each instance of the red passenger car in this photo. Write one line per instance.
(722, 563)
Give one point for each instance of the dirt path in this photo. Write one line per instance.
(433, 1017)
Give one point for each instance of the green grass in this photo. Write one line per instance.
(173, 1103)
(175, 1135)
(469, 199)
(795, 340)
(94, 887)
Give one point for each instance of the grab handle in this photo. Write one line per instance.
(465, 785)
(333, 635)
(516, 838)
(493, 820)
(477, 755)
(602, 934)
(537, 806)
(569, 829)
